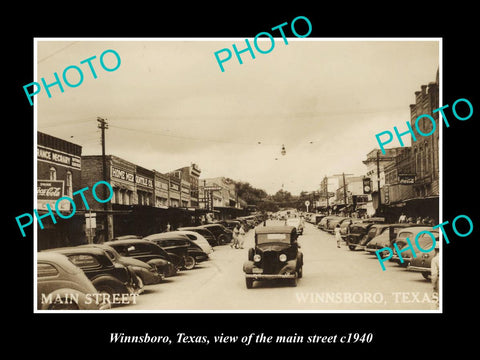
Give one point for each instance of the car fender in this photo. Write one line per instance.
(248, 267)
(290, 266)
(111, 281)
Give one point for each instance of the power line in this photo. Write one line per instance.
(56, 52)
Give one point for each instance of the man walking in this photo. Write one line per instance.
(338, 236)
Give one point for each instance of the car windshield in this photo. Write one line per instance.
(268, 238)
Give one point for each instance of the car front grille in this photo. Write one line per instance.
(270, 262)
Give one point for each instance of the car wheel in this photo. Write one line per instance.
(300, 272)
(426, 275)
(106, 289)
(140, 282)
(249, 283)
(60, 306)
(352, 247)
(189, 262)
(221, 240)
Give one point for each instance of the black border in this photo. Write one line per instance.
(456, 25)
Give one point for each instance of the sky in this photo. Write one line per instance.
(169, 105)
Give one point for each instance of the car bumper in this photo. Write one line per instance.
(397, 258)
(200, 258)
(270, 276)
(360, 247)
(418, 269)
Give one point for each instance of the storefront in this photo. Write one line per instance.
(58, 174)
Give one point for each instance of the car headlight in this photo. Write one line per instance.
(282, 257)
(257, 258)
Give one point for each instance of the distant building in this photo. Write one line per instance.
(425, 150)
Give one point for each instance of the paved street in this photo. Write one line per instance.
(334, 279)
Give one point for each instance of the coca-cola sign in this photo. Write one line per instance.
(48, 192)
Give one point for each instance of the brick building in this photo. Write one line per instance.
(59, 169)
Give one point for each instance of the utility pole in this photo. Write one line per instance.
(378, 181)
(108, 222)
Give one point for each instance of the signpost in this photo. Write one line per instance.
(307, 204)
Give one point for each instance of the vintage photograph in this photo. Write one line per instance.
(236, 175)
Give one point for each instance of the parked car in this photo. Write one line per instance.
(207, 234)
(385, 238)
(148, 252)
(422, 263)
(198, 239)
(148, 274)
(322, 225)
(221, 233)
(373, 231)
(357, 232)
(346, 225)
(425, 242)
(229, 224)
(179, 244)
(297, 223)
(64, 286)
(332, 223)
(125, 237)
(276, 255)
(107, 276)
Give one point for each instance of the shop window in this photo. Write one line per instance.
(53, 173)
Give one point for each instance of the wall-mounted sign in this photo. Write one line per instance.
(144, 181)
(57, 157)
(122, 174)
(48, 192)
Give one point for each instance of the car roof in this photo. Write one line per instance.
(128, 241)
(274, 229)
(77, 250)
(171, 235)
(417, 229)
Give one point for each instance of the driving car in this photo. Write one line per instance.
(107, 276)
(175, 243)
(221, 233)
(148, 252)
(425, 241)
(147, 274)
(297, 223)
(276, 255)
(64, 286)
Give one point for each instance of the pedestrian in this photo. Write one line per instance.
(419, 220)
(338, 236)
(236, 231)
(241, 236)
(434, 270)
(402, 219)
(168, 227)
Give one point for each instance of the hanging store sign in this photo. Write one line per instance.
(406, 179)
